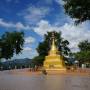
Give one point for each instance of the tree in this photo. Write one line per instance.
(38, 60)
(11, 43)
(78, 9)
(83, 56)
(84, 46)
(44, 46)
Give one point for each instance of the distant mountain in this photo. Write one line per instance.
(18, 63)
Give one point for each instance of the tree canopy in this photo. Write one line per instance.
(83, 56)
(11, 43)
(78, 9)
(44, 46)
(84, 46)
(62, 44)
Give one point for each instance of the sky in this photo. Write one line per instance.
(35, 18)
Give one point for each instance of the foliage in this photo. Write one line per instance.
(11, 43)
(38, 60)
(78, 9)
(44, 46)
(62, 44)
(83, 56)
(84, 46)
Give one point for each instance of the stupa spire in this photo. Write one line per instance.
(53, 50)
(53, 46)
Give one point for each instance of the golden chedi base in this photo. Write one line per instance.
(54, 63)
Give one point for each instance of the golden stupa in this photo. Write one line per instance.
(54, 61)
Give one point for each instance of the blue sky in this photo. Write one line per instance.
(35, 18)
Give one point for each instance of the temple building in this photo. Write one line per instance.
(54, 61)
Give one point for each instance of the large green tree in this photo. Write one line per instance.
(44, 46)
(78, 9)
(83, 56)
(11, 43)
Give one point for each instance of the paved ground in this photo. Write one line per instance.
(22, 81)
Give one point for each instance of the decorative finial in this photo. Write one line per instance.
(53, 46)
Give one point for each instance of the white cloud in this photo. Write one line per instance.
(61, 2)
(74, 34)
(18, 25)
(42, 27)
(26, 53)
(27, 49)
(29, 40)
(34, 13)
(6, 24)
